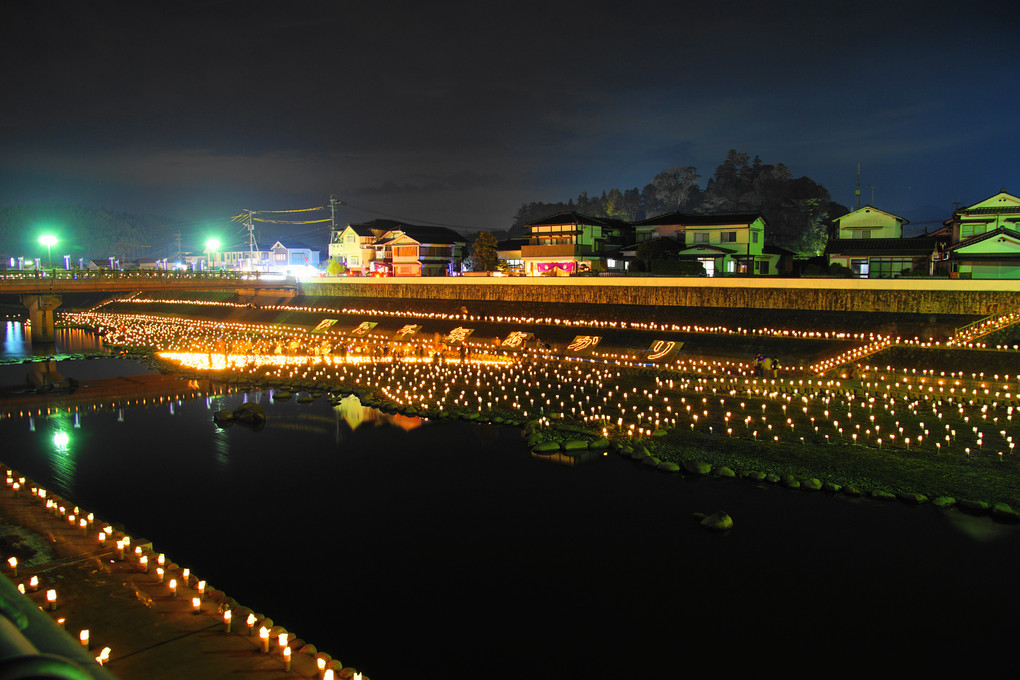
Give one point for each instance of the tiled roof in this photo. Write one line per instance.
(704, 247)
(1013, 233)
(432, 234)
(512, 243)
(578, 218)
(293, 245)
(994, 210)
(881, 246)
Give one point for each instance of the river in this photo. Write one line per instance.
(416, 549)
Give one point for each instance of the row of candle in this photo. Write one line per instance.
(141, 559)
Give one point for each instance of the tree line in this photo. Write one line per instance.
(798, 210)
(82, 232)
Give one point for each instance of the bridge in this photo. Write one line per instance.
(41, 292)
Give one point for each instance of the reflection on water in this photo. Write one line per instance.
(456, 530)
(351, 411)
(63, 452)
(571, 459)
(978, 528)
(221, 445)
(17, 342)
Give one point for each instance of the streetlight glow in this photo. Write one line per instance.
(211, 246)
(48, 240)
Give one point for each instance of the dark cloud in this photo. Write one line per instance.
(455, 112)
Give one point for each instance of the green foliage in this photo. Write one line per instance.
(81, 232)
(677, 187)
(336, 268)
(655, 249)
(483, 252)
(671, 267)
(798, 210)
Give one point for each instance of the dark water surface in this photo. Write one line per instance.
(448, 551)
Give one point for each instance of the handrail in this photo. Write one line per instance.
(989, 323)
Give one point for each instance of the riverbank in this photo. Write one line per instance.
(855, 462)
(151, 631)
(913, 429)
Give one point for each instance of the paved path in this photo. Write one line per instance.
(151, 634)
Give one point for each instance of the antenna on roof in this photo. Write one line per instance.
(857, 191)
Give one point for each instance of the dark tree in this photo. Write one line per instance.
(484, 253)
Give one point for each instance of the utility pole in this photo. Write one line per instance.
(334, 233)
(253, 247)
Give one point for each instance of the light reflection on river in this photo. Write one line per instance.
(445, 550)
(17, 342)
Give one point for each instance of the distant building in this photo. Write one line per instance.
(509, 254)
(353, 246)
(569, 243)
(288, 258)
(726, 244)
(986, 239)
(391, 247)
(870, 243)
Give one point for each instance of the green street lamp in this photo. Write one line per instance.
(48, 240)
(211, 246)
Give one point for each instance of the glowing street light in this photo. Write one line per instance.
(48, 240)
(211, 246)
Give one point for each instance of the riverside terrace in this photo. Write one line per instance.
(896, 429)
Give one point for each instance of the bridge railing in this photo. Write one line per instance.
(85, 274)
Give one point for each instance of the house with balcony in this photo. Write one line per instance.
(568, 243)
(726, 244)
(394, 248)
(354, 247)
(986, 239)
(870, 243)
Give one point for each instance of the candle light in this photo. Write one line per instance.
(103, 657)
(13, 562)
(264, 639)
(286, 659)
(228, 617)
(51, 599)
(83, 637)
(33, 583)
(196, 605)
(173, 587)
(251, 623)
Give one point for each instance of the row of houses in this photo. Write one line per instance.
(979, 241)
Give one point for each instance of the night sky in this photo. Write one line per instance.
(457, 113)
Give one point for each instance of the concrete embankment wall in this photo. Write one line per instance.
(900, 296)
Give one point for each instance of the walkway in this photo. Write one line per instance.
(151, 634)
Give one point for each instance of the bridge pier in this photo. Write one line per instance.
(46, 373)
(40, 313)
